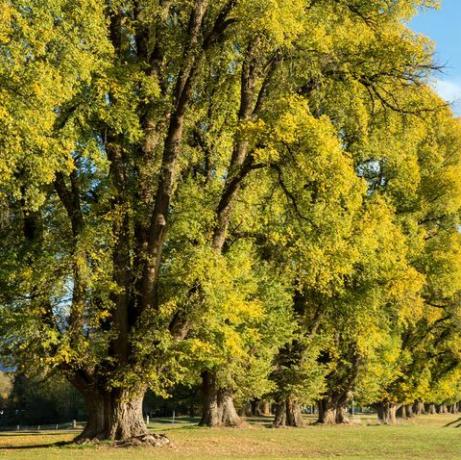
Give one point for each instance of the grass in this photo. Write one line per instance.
(426, 437)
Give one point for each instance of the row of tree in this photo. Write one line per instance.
(259, 195)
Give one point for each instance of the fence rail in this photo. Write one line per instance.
(73, 425)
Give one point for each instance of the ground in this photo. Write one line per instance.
(434, 437)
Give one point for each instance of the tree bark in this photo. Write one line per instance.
(294, 416)
(327, 412)
(218, 404)
(341, 416)
(402, 412)
(280, 415)
(210, 409)
(431, 409)
(418, 408)
(387, 412)
(229, 415)
(409, 410)
(288, 413)
(265, 408)
(113, 415)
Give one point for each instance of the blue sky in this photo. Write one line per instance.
(444, 27)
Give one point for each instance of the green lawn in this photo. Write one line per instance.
(426, 437)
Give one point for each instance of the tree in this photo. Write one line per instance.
(140, 138)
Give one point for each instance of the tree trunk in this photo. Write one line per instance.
(253, 409)
(280, 415)
(95, 427)
(288, 413)
(418, 408)
(210, 409)
(327, 412)
(409, 410)
(294, 416)
(229, 415)
(218, 404)
(116, 415)
(265, 408)
(402, 412)
(441, 409)
(260, 408)
(341, 416)
(431, 409)
(387, 413)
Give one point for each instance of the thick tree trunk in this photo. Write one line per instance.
(260, 408)
(95, 427)
(116, 415)
(294, 416)
(229, 415)
(280, 415)
(210, 409)
(387, 413)
(218, 404)
(327, 412)
(288, 413)
(341, 416)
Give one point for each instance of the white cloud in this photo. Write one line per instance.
(450, 90)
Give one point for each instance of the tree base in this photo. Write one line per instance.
(146, 440)
(152, 440)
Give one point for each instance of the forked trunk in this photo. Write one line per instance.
(327, 412)
(288, 413)
(387, 412)
(218, 404)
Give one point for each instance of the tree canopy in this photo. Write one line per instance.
(259, 195)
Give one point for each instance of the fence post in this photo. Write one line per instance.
(74, 424)
(17, 427)
(147, 419)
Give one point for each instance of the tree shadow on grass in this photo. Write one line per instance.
(37, 446)
(455, 424)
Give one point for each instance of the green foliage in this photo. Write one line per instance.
(266, 190)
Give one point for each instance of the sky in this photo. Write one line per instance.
(443, 26)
